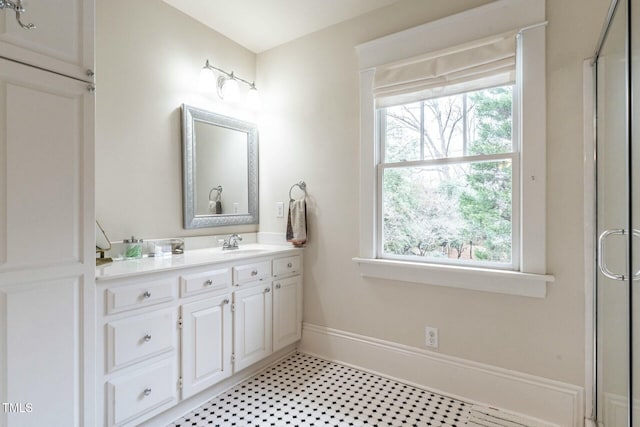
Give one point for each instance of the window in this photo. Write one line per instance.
(452, 172)
(447, 179)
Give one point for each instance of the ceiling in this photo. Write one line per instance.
(260, 25)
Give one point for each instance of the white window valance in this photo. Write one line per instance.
(471, 66)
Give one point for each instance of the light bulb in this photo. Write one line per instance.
(207, 80)
(230, 90)
(253, 98)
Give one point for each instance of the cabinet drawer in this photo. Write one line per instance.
(288, 265)
(132, 395)
(132, 339)
(251, 272)
(137, 295)
(210, 281)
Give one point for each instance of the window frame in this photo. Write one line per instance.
(530, 278)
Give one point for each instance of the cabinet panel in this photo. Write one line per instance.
(206, 344)
(132, 395)
(251, 272)
(42, 344)
(252, 325)
(210, 281)
(287, 312)
(46, 119)
(286, 266)
(140, 294)
(139, 337)
(62, 40)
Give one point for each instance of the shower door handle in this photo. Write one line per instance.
(602, 264)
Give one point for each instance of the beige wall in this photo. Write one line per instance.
(148, 59)
(309, 130)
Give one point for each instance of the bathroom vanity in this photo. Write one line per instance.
(170, 328)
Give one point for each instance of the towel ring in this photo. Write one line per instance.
(219, 190)
(302, 185)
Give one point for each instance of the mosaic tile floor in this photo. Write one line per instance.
(305, 391)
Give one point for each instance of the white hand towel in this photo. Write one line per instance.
(297, 222)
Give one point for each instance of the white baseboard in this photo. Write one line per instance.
(544, 400)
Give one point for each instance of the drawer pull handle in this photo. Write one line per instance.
(146, 295)
(208, 282)
(254, 272)
(267, 290)
(277, 285)
(147, 338)
(147, 391)
(289, 265)
(226, 301)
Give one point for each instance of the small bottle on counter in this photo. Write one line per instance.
(132, 248)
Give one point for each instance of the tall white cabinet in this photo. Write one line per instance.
(47, 307)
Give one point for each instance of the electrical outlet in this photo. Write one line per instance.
(431, 336)
(279, 209)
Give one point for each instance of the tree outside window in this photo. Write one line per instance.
(447, 178)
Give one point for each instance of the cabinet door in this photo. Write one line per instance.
(206, 344)
(47, 265)
(287, 312)
(46, 159)
(62, 40)
(252, 325)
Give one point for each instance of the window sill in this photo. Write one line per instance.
(476, 279)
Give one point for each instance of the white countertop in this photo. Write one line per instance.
(190, 258)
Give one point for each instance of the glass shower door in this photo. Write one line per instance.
(614, 220)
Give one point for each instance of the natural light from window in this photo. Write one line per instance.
(447, 180)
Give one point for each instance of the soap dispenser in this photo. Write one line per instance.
(132, 248)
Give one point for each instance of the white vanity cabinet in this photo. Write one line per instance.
(287, 301)
(287, 311)
(138, 343)
(252, 336)
(206, 343)
(166, 337)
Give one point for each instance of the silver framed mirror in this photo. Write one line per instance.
(219, 169)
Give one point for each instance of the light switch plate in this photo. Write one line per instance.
(279, 209)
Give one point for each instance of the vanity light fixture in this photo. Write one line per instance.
(227, 85)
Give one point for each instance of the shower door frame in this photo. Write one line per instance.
(590, 217)
(590, 270)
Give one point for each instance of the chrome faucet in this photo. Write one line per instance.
(231, 242)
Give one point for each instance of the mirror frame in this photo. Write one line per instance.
(191, 220)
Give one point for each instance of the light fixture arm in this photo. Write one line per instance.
(230, 75)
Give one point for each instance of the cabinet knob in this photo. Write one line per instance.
(267, 290)
(277, 285)
(146, 295)
(289, 265)
(254, 273)
(147, 338)
(208, 282)
(226, 301)
(147, 391)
